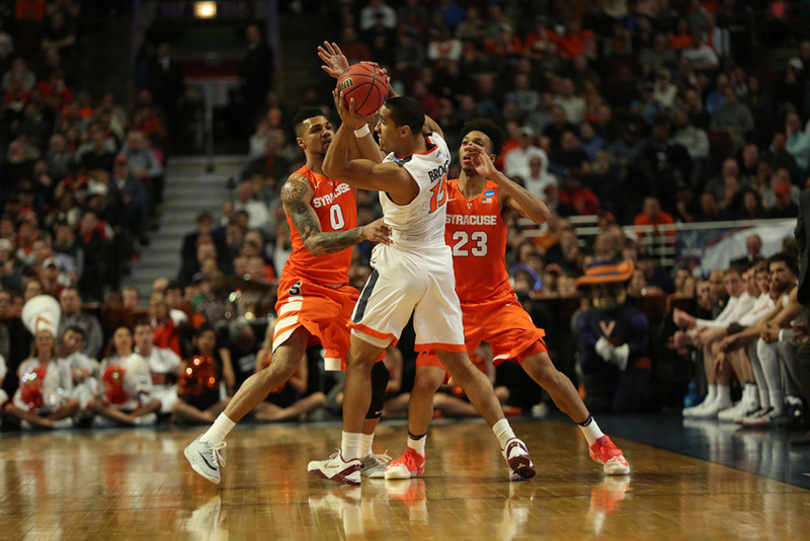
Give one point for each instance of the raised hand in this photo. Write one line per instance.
(335, 62)
(483, 165)
(348, 117)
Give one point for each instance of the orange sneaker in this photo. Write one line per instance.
(410, 464)
(606, 453)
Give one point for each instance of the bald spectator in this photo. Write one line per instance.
(72, 316)
(753, 253)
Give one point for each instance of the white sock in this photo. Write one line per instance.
(365, 444)
(350, 445)
(753, 395)
(590, 430)
(777, 401)
(723, 394)
(712, 394)
(503, 432)
(769, 359)
(219, 430)
(417, 444)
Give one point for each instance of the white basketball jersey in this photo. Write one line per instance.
(421, 222)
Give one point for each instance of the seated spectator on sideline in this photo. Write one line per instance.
(164, 365)
(167, 332)
(290, 400)
(52, 405)
(72, 316)
(125, 386)
(202, 403)
(516, 161)
(753, 255)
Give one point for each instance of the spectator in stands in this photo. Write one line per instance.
(652, 215)
(99, 156)
(569, 160)
(83, 369)
(256, 73)
(797, 142)
(517, 160)
(132, 195)
(783, 206)
(559, 125)
(701, 57)
(72, 316)
(130, 297)
(143, 163)
(166, 330)
(166, 83)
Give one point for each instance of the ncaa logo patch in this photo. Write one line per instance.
(488, 196)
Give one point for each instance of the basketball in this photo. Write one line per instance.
(366, 83)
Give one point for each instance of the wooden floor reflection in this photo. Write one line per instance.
(136, 484)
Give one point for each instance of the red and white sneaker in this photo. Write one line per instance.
(517, 456)
(606, 453)
(336, 469)
(410, 464)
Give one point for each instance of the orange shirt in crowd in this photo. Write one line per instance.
(664, 218)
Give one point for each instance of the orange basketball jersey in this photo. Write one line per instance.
(336, 206)
(476, 232)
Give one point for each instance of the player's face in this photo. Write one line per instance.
(763, 281)
(473, 139)
(386, 130)
(315, 134)
(781, 275)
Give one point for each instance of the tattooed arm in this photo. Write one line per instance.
(296, 196)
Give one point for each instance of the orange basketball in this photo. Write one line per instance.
(366, 83)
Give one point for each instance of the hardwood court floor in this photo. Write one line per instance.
(137, 485)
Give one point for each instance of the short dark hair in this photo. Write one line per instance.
(786, 259)
(77, 330)
(406, 111)
(305, 114)
(488, 128)
(175, 284)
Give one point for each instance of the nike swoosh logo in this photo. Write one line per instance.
(453, 199)
(378, 412)
(206, 462)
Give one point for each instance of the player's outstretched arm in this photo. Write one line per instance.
(296, 196)
(515, 196)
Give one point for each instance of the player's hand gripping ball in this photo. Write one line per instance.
(367, 85)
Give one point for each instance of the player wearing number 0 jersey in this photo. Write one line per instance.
(477, 234)
(413, 274)
(314, 298)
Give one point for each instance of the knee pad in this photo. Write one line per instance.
(379, 382)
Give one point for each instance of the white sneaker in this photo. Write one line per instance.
(374, 465)
(694, 410)
(205, 458)
(733, 412)
(336, 469)
(714, 408)
(62, 424)
(146, 420)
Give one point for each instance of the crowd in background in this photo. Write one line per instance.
(645, 113)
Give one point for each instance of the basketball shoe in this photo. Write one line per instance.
(517, 456)
(336, 469)
(410, 464)
(606, 453)
(205, 458)
(374, 465)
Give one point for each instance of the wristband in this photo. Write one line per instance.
(362, 132)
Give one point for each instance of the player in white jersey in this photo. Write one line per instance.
(412, 274)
